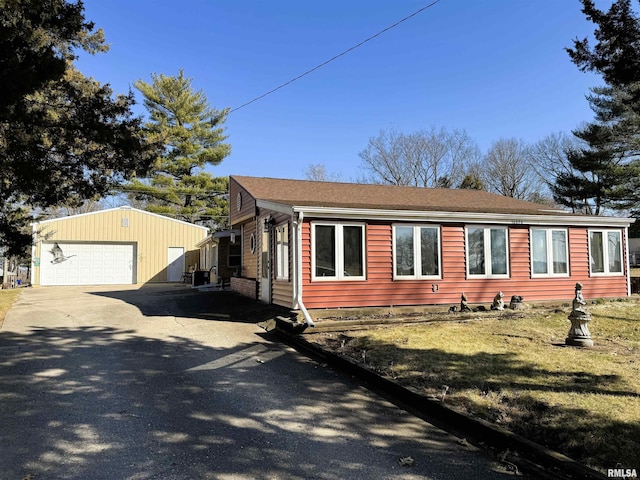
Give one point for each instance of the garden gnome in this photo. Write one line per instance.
(579, 335)
(498, 302)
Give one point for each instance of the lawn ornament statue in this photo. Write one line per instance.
(463, 304)
(579, 335)
(516, 302)
(498, 302)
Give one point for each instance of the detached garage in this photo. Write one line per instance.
(113, 247)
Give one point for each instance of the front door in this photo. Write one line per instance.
(175, 264)
(265, 268)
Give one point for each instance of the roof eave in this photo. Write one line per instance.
(461, 217)
(122, 208)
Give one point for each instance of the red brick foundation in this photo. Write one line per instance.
(247, 287)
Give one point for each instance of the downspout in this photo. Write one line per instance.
(297, 226)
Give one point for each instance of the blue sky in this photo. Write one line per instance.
(495, 68)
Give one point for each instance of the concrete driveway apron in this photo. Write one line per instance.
(165, 382)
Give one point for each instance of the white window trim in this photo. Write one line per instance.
(605, 253)
(487, 250)
(282, 261)
(338, 248)
(549, 238)
(417, 253)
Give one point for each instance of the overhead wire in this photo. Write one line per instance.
(289, 82)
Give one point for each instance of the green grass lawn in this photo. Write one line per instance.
(513, 369)
(7, 297)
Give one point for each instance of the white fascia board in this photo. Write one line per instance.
(461, 217)
(275, 206)
(125, 208)
(57, 219)
(204, 241)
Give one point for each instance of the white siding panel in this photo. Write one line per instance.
(88, 264)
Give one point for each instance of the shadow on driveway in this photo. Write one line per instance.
(182, 301)
(105, 403)
(164, 382)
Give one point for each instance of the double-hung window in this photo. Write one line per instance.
(416, 252)
(235, 254)
(605, 252)
(549, 252)
(282, 252)
(338, 251)
(488, 252)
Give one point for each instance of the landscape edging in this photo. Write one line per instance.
(490, 433)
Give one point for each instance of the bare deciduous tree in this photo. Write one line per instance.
(318, 172)
(507, 170)
(550, 156)
(427, 158)
(87, 206)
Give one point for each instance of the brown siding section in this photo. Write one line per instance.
(282, 293)
(249, 260)
(381, 290)
(281, 290)
(247, 205)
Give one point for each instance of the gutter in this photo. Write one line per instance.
(465, 217)
(297, 226)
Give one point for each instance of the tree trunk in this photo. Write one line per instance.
(5, 273)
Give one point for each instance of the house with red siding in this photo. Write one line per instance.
(307, 244)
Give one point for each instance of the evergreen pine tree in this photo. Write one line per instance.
(606, 171)
(192, 137)
(64, 138)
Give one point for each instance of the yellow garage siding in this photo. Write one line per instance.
(152, 234)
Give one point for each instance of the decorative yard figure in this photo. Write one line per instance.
(498, 303)
(579, 335)
(463, 304)
(516, 302)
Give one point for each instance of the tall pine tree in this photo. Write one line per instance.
(605, 172)
(192, 136)
(64, 138)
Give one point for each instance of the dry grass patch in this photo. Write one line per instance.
(514, 370)
(7, 298)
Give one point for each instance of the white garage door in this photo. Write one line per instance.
(86, 263)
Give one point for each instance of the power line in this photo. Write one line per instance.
(177, 192)
(335, 57)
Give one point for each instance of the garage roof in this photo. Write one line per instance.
(123, 208)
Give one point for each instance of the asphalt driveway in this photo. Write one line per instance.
(169, 383)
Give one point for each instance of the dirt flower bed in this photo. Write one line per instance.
(514, 369)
